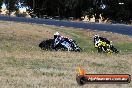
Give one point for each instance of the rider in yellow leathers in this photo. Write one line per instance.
(102, 44)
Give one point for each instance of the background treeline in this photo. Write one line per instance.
(115, 10)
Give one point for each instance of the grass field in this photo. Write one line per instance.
(24, 65)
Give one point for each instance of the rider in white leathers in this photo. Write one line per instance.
(66, 42)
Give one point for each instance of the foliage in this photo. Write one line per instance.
(116, 10)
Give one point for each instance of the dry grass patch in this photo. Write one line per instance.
(24, 65)
(58, 69)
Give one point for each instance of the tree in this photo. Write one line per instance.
(10, 5)
(109, 9)
(1, 2)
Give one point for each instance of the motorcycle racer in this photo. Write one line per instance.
(65, 41)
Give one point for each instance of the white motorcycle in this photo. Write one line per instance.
(64, 45)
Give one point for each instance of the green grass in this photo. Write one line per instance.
(86, 42)
(124, 47)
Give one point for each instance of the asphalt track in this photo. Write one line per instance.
(115, 28)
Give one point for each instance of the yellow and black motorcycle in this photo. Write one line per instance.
(104, 47)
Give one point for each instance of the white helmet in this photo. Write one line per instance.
(96, 36)
(56, 33)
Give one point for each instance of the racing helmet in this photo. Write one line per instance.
(56, 34)
(96, 36)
